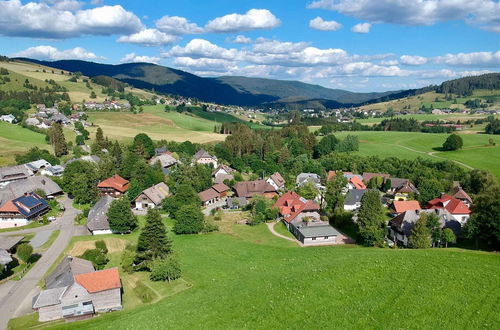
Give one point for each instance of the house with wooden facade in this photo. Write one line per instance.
(114, 186)
(152, 197)
(22, 210)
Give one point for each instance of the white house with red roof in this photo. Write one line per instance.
(455, 207)
(302, 218)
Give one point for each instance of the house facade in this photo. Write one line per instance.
(152, 197)
(203, 157)
(22, 210)
(276, 180)
(457, 209)
(114, 186)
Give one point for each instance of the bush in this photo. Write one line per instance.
(165, 269)
(98, 258)
(24, 252)
(128, 257)
(453, 142)
(101, 245)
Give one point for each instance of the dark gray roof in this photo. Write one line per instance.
(64, 273)
(16, 172)
(317, 231)
(97, 218)
(165, 160)
(302, 178)
(354, 196)
(18, 188)
(8, 242)
(157, 193)
(48, 297)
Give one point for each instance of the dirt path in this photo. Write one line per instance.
(432, 154)
(270, 225)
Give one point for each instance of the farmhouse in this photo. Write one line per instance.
(8, 118)
(276, 180)
(22, 210)
(313, 178)
(203, 157)
(97, 220)
(75, 290)
(33, 183)
(456, 208)
(56, 170)
(352, 200)
(114, 186)
(213, 194)
(249, 189)
(7, 247)
(166, 162)
(222, 173)
(14, 173)
(152, 197)
(301, 216)
(403, 206)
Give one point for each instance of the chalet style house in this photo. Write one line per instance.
(203, 157)
(115, 186)
(214, 194)
(302, 218)
(249, 189)
(22, 210)
(152, 197)
(14, 173)
(75, 290)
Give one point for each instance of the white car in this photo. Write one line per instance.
(52, 219)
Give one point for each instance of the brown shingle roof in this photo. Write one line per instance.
(208, 194)
(252, 188)
(116, 182)
(220, 187)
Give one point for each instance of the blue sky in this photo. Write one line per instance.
(358, 45)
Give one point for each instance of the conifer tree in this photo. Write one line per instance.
(57, 140)
(371, 219)
(120, 216)
(153, 241)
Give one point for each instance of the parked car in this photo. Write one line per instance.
(52, 219)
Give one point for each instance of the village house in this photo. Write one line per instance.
(367, 176)
(302, 218)
(38, 165)
(7, 248)
(97, 219)
(214, 194)
(456, 208)
(8, 118)
(401, 189)
(203, 157)
(353, 198)
(114, 186)
(22, 210)
(354, 181)
(276, 180)
(249, 189)
(75, 290)
(166, 162)
(89, 158)
(222, 173)
(403, 206)
(460, 194)
(14, 173)
(152, 197)
(56, 170)
(33, 183)
(313, 178)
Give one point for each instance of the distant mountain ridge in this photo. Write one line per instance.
(234, 90)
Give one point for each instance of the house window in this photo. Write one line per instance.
(326, 237)
(314, 238)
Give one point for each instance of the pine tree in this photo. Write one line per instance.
(371, 221)
(153, 241)
(420, 236)
(120, 216)
(57, 140)
(117, 154)
(99, 138)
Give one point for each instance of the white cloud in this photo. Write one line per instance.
(370, 69)
(240, 39)
(65, 4)
(149, 37)
(319, 24)
(53, 54)
(177, 25)
(41, 20)
(361, 28)
(201, 48)
(389, 62)
(252, 20)
(484, 59)
(450, 74)
(413, 60)
(132, 57)
(206, 64)
(268, 46)
(484, 13)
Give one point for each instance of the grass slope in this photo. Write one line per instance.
(266, 284)
(15, 140)
(409, 145)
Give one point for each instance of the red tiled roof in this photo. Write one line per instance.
(403, 206)
(116, 182)
(100, 280)
(291, 205)
(451, 204)
(9, 207)
(358, 184)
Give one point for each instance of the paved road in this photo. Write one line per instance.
(220, 204)
(40, 238)
(19, 296)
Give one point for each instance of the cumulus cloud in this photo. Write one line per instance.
(389, 62)
(49, 53)
(268, 46)
(177, 25)
(149, 37)
(201, 48)
(449, 74)
(65, 4)
(240, 39)
(361, 28)
(484, 59)
(252, 20)
(485, 13)
(206, 64)
(132, 58)
(41, 20)
(319, 24)
(413, 60)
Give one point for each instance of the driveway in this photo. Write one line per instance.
(18, 299)
(219, 204)
(40, 238)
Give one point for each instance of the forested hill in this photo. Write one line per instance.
(465, 86)
(223, 90)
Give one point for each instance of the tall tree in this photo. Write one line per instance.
(188, 219)
(57, 140)
(117, 155)
(80, 180)
(434, 227)
(143, 146)
(453, 142)
(120, 216)
(420, 236)
(99, 138)
(371, 221)
(153, 241)
(333, 196)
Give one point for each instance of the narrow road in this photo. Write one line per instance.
(432, 154)
(20, 293)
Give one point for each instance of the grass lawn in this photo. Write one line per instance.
(410, 145)
(422, 117)
(15, 139)
(280, 228)
(259, 281)
(33, 224)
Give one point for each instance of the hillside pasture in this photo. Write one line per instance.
(239, 283)
(454, 117)
(15, 139)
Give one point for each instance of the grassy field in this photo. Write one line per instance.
(409, 145)
(14, 140)
(251, 279)
(426, 117)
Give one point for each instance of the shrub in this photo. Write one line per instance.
(101, 245)
(128, 257)
(453, 142)
(24, 252)
(165, 269)
(98, 258)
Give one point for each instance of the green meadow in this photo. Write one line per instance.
(251, 279)
(15, 140)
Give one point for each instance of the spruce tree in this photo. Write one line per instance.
(371, 221)
(99, 138)
(120, 216)
(153, 241)
(57, 140)
(420, 236)
(117, 155)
